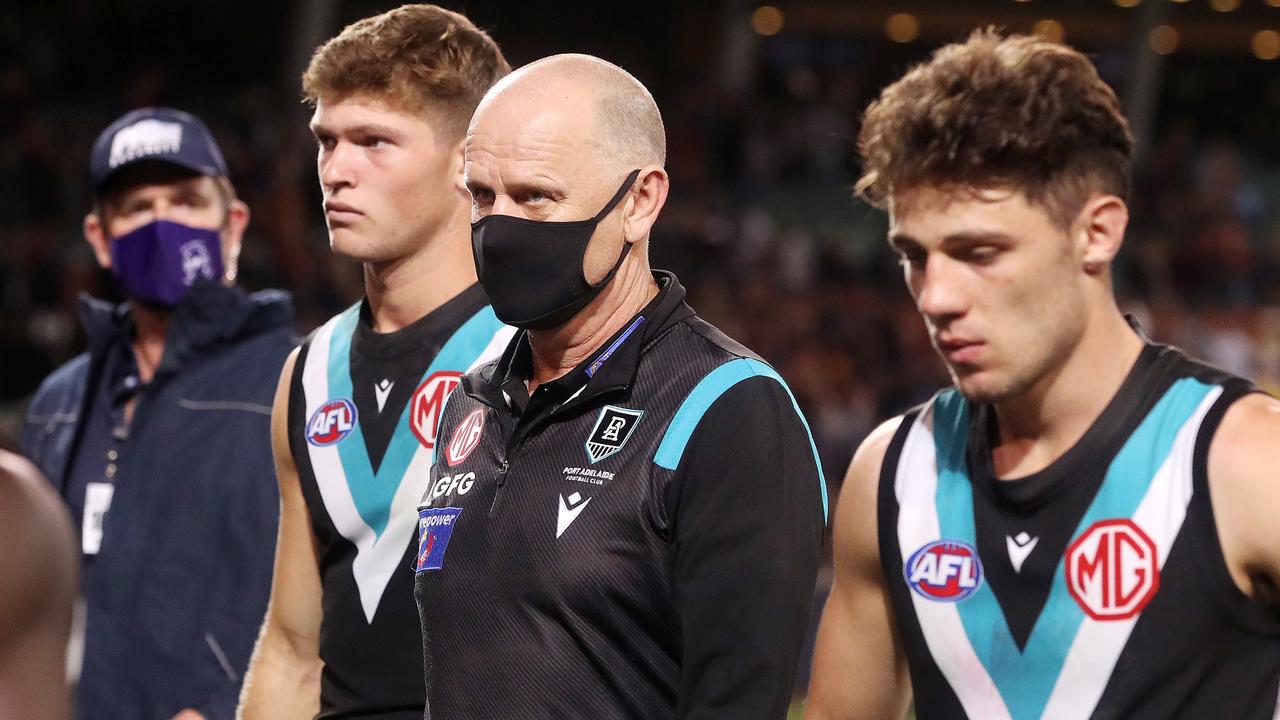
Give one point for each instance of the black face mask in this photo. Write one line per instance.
(532, 269)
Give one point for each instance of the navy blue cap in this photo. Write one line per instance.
(154, 134)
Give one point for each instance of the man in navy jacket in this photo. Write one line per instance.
(158, 436)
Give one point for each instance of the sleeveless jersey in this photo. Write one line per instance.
(362, 420)
(1095, 588)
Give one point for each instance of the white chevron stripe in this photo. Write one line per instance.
(332, 480)
(1098, 644)
(916, 485)
(376, 557)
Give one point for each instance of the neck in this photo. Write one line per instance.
(1041, 424)
(406, 289)
(557, 351)
(151, 327)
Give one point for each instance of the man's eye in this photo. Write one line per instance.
(982, 253)
(914, 261)
(375, 142)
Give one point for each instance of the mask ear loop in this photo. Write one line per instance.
(626, 246)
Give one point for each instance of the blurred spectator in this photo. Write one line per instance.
(158, 437)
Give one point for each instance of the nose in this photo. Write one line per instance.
(336, 167)
(161, 209)
(504, 205)
(939, 291)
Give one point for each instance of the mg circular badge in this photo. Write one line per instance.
(1113, 570)
(944, 570)
(465, 437)
(331, 422)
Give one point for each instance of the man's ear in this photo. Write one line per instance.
(644, 203)
(458, 167)
(1100, 230)
(232, 238)
(96, 235)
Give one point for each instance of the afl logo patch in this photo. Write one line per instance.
(332, 422)
(1113, 570)
(944, 570)
(427, 402)
(465, 437)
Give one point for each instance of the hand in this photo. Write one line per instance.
(189, 714)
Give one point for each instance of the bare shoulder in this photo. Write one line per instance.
(286, 377)
(1246, 447)
(1245, 488)
(855, 523)
(28, 503)
(37, 527)
(280, 406)
(864, 471)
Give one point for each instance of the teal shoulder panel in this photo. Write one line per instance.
(704, 395)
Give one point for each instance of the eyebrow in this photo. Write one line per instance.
(361, 129)
(901, 241)
(541, 184)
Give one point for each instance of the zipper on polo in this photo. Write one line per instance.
(502, 480)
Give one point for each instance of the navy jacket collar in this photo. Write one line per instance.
(209, 315)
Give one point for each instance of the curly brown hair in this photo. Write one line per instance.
(993, 111)
(418, 58)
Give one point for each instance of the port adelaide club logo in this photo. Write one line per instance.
(331, 422)
(613, 428)
(944, 570)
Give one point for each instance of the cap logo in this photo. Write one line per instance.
(143, 138)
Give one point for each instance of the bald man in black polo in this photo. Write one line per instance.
(626, 510)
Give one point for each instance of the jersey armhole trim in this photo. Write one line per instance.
(887, 500)
(296, 409)
(1232, 603)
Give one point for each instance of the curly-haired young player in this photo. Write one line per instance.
(356, 409)
(1083, 526)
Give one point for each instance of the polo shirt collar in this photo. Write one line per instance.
(611, 367)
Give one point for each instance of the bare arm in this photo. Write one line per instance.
(37, 587)
(283, 680)
(859, 669)
(1246, 491)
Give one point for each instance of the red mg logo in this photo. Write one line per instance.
(1113, 570)
(465, 438)
(427, 402)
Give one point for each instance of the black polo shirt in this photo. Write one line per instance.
(636, 539)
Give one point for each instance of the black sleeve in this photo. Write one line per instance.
(747, 513)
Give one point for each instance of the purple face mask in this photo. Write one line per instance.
(159, 261)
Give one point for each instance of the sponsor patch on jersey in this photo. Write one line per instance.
(466, 437)
(613, 428)
(944, 570)
(1113, 569)
(435, 527)
(428, 402)
(447, 485)
(331, 422)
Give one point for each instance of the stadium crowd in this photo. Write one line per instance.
(764, 231)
